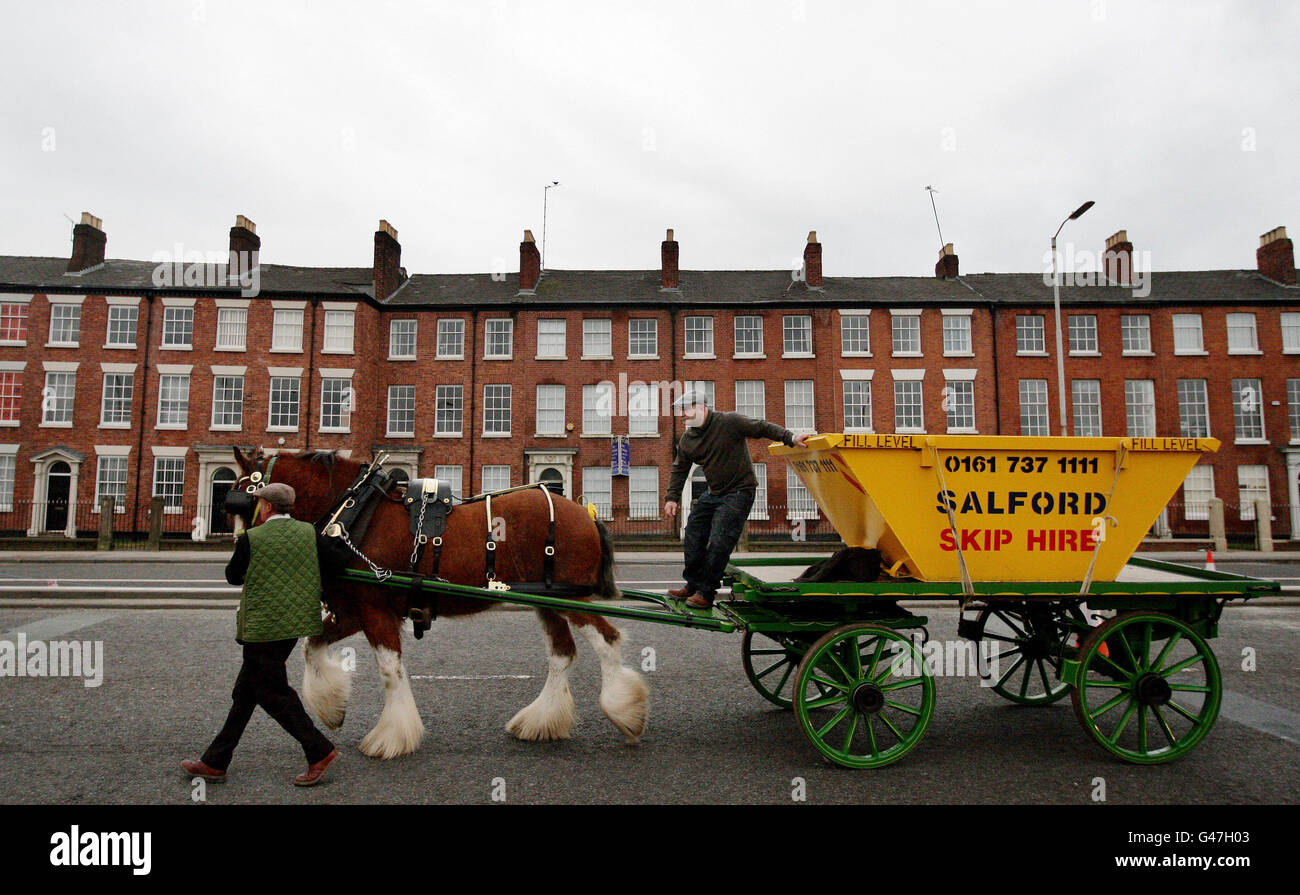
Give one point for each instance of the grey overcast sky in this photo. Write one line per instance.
(743, 125)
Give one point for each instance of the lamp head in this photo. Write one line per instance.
(1078, 212)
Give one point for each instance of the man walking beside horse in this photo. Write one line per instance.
(276, 562)
(718, 443)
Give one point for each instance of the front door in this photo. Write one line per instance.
(58, 486)
(695, 486)
(222, 481)
(553, 479)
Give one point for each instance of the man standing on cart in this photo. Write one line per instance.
(717, 442)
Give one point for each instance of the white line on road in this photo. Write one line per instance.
(471, 677)
(57, 625)
(1261, 716)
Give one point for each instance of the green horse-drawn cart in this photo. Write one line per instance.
(1032, 537)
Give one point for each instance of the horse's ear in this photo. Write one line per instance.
(244, 465)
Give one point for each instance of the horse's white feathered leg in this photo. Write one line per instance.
(326, 685)
(399, 729)
(624, 694)
(551, 715)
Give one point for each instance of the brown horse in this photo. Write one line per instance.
(583, 558)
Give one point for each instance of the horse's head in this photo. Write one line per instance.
(317, 477)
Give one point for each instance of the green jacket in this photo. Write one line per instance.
(276, 562)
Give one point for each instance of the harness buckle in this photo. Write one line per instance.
(550, 551)
(494, 584)
(422, 539)
(437, 542)
(491, 545)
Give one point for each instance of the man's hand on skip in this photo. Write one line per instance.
(670, 508)
(801, 440)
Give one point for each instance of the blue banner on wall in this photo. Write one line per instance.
(620, 455)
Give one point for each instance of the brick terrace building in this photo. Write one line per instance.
(115, 380)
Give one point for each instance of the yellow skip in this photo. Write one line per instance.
(1024, 508)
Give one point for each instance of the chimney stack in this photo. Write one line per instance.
(812, 261)
(388, 262)
(946, 267)
(88, 242)
(245, 246)
(668, 262)
(1117, 260)
(530, 263)
(1276, 257)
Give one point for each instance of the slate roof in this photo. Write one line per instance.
(697, 288)
(640, 288)
(34, 274)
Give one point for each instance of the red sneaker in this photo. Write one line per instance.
(698, 601)
(316, 771)
(679, 593)
(199, 769)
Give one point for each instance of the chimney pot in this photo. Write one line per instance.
(947, 267)
(245, 246)
(1117, 259)
(812, 261)
(530, 263)
(1271, 236)
(88, 243)
(668, 270)
(1276, 256)
(388, 272)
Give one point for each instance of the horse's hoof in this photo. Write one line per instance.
(626, 703)
(543, 722)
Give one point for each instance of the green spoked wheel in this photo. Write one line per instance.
(771, 661)
(1148, 687)
(863, 695)
(1024, 660)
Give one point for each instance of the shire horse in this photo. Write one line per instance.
(583, 560)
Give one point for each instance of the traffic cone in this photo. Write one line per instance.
(1209, 561)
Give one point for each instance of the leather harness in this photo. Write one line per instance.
(428, 503)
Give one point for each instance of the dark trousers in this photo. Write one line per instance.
(712, 531)
(263, 681)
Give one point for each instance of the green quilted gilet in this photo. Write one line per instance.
(281, 598)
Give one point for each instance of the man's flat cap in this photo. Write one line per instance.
(279, 495)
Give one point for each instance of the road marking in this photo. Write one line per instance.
(471, 677)
(57, 625)
(1261, 716)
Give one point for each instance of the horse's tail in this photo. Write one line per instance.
(605, 584)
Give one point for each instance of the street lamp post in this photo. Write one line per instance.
(1056, 298)
(546, 192)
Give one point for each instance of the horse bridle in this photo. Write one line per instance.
(242, 498)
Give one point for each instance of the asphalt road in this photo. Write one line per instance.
(167, 676)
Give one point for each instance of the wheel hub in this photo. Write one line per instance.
(868, 698)
(1152, 689)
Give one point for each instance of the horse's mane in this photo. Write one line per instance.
(323, 458)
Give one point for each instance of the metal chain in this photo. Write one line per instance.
(380, 573)
(420, 537)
